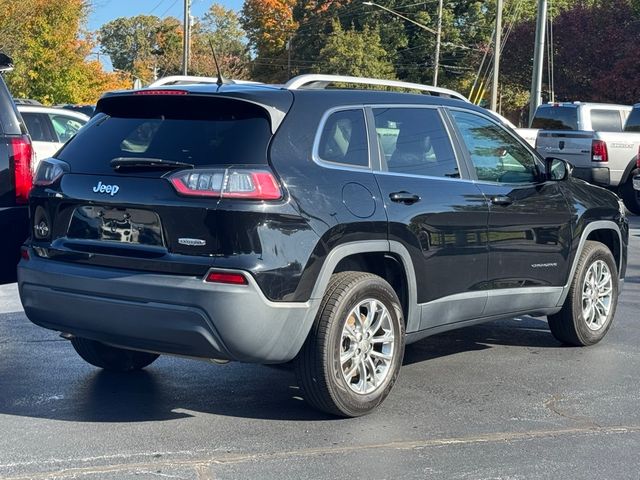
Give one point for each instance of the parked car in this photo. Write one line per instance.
(50, 128)
(86, 109)
(329, 227)
(593, 139)
(15, 180)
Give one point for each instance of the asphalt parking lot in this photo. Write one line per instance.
(498, 401)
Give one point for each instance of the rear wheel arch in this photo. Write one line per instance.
(388, 260)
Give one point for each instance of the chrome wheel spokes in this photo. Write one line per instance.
(367, 346)
(597, 295)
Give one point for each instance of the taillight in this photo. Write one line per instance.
(161, 92)
(49, 171)
(229, 278)
(248, 184)
(638, 158)
(599, 151)
(22, 153)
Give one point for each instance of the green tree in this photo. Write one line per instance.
(357, 53)
(50, 52)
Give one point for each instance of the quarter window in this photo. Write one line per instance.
(414, 141)
(344, 139)
(496, 155)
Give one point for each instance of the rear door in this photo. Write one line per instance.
(529, 228)
(433, 210)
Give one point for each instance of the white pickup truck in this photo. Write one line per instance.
(601, 141)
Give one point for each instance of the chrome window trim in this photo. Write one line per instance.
(315, 155)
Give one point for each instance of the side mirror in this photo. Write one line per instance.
(557, 169)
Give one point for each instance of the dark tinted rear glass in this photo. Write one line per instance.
(556, 118)
(633, 122)
(606, 121)
(198, 130)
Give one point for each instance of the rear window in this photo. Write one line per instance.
(556, 118)
(192, 129)
(606, 121)
(633, 122)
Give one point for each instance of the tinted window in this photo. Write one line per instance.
(556, 118)
(633, 122)
(496, 155)
(196, 130)
(344, 139)
(414, 141)
(606, 121)
(65, 127)
(38, 127)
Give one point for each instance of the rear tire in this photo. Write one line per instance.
(588, 311)
(352, 356)
(630, 196)
(111, 358)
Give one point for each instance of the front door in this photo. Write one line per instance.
(435, 212)
(529, 221)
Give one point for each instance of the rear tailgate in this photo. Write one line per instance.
(572, 146)
(136, 217)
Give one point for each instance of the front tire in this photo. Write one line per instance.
(588, 311)
(352, 356)
(111, 358)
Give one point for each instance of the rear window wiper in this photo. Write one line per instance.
(149, 163)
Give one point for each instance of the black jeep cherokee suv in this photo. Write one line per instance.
(330, 227)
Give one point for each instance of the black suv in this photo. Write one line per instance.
(16, 156)
(326, 226)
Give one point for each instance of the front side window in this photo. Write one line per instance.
(65, 127)
(496, 155)
(344, 139)
(414, 141)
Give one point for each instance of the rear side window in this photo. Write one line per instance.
(633, 122)
(414, 141)
(192, 129)
(556, 118)
(344, 139)
(606, 121)
(39, 127)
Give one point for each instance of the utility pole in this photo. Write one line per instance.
(436, 62)
(289, 57)
(538, 60)
(496, 58)
(186, 38)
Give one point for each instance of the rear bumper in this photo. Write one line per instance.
(596, 175)
(166, 314)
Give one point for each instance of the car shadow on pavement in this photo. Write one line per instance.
(517, 332)
(66, 389)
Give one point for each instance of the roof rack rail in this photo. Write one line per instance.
(320, 81)
(193, 80)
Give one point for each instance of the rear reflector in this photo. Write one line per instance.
(22, 153)
(248, 184)
(161, 92)
(599, 151)
(226, 277)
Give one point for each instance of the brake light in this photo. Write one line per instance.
(599, 151)
(248, 184)
(22, 153)
(161, 92)
(226, 277)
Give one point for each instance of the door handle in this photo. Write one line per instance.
(404, 197)
(501, 200)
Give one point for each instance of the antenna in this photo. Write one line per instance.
(220, 81)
